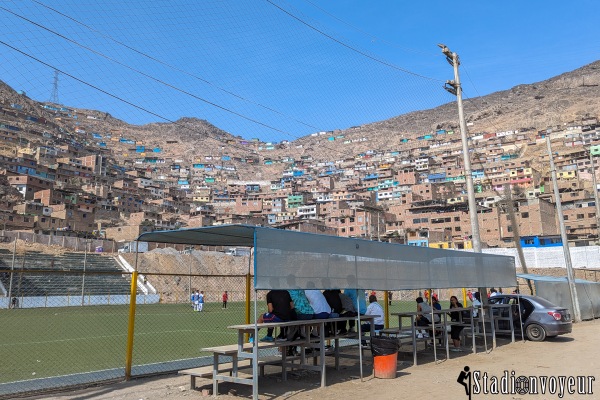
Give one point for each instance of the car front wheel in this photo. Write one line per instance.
(535, 333)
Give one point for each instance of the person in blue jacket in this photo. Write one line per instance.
(353, 294)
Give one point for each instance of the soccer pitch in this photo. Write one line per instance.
(45, 342)
(49, 342)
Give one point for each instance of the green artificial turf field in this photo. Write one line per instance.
(48, 342)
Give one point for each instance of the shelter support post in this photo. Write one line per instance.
(248, 299)
(358, 328)
(520, 318)
(433, 324)
(386, 309)
(254, 351)
(131, 323)
(482, 311)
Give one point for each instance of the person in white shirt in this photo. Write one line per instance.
(374, 309)
(194, 299)
(318, 302)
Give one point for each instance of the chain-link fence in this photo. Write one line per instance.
(67, 316)
(63, 240)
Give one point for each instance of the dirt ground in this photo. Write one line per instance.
(573, 354)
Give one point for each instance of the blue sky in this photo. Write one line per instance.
(278, 69)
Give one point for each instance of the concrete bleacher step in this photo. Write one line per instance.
(64, 283)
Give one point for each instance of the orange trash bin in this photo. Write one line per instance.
(385, 367)
(385, 357)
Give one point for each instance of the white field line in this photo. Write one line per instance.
(111, 336)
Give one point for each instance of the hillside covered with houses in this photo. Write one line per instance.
(69, 171)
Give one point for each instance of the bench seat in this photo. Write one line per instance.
(207, 370)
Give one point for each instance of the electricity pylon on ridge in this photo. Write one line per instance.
(54, 96)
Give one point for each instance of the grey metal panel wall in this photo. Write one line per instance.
(558, 293)
(287, 260)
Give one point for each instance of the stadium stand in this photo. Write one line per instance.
(42, 274)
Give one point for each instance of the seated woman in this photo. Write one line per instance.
(455, 317)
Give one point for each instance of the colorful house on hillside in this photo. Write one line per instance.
(541, 241)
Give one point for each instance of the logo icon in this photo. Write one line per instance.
(464, 378)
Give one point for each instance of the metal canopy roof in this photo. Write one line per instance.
(221, 235)
(290, 260)
(545, 278)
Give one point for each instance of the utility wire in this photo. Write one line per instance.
(114, 96)
(332, 149)
(176, 68)
(354, 49)
(375, 38)
(147, 75)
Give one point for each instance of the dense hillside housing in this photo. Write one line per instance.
(79, 175)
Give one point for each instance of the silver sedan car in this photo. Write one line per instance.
(540, 318)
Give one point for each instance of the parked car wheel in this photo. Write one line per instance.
(535, 333)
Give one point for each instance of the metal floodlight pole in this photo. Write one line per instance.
(85, 251)
(465, 148)
(12, 272)
(563, 235)
(455, 88)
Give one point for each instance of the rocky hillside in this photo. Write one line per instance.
(562, 99)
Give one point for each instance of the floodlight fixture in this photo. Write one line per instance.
(451, 87)
(445, 50)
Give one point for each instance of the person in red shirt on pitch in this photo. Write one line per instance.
(225, 298)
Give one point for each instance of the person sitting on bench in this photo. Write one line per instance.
(424, 316)
(374, 309)
(280, 306)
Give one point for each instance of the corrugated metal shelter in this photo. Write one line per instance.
(556, 290)
(296, 260)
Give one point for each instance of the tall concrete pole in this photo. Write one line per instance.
(563, 236)
(455, 88)
(595, 183)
